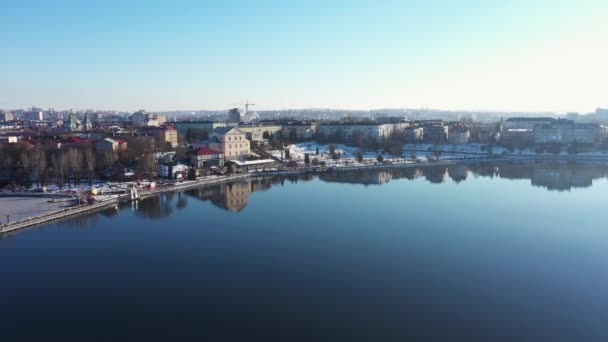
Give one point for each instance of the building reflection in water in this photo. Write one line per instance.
(234, 196)
(552, 176)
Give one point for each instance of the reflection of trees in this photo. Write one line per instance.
(458, 173)
(156, 206)
(553, 176)
(365, 177)
(434, 174)
(87, 220)
(182, 201)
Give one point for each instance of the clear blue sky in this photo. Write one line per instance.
(162, 55)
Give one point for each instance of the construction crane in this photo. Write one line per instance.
(246, 104)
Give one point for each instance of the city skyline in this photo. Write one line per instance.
(538, 56)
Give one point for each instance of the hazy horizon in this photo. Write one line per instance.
(537, 56)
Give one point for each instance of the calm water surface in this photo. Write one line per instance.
(484, 253)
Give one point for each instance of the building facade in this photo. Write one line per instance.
(567, 132)
(230, 141)
(182, 127)
(204, 157)
(257, 132)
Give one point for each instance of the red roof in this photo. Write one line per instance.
(120, 141)
(202, 151)
(169, 128)
(76, 140)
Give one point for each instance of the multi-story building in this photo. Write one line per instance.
(526, 123)
(168, 134)
(142, 118)
(6, 116)
(366, 130)
(204, 157)
(436, 133)
(413, 134)
(299, 129)
(255, 132)
(231, 141)
(567, 132)
(109, 145)
(33, 115)
(183, 126)
(459, 134)
(517, 136)
(234, 115)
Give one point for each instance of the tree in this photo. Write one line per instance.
(437, 150)
(360, 156)
(41, 165)
(60, 164)
(317, 152)
(292, 163)
(287, 156)
(191, 174)
(196, 134)
(315, 161)
(75, 164)
(380, 158)
(332, 150)
(89, 160)
(306, 159)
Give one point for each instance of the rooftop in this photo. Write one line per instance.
(204, 151)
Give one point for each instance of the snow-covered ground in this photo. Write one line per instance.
(348, 153)
(16, 208)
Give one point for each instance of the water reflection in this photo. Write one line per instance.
(551, 176)
(234, 197)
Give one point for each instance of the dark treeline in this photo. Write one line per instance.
(41, 164)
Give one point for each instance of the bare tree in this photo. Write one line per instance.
(75, 164)
(89, 159)
(40, 164)
(25, 160)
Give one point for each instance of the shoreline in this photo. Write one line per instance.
(114, 202)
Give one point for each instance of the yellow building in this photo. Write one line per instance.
(231, 141)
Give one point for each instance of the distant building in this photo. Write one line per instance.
(183, 126)
(517, 136)
(298, 129)
(6, 116)
(88, 125)
(459, 134)
(142, 118)
(526, 123)
(110, 145)
(234, 115)
(436, 132)
(413, 134)
(602, 114)
(257, 132)
(72, 124)
(34, 115)
(567, 132)
(167, 134)
(367, 130)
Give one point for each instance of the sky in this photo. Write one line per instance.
(188, 55)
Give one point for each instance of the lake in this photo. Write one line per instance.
(459, 253)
